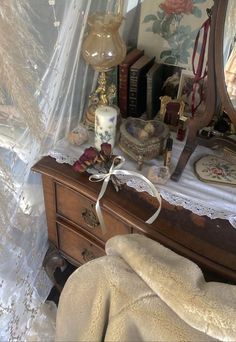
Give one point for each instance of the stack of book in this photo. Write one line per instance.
(140, 84)
(124, 79)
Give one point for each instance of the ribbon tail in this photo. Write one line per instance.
(105, 177)
(155, 192)
(158, 197)
(154, 216)
(100, 217)
(97, 206)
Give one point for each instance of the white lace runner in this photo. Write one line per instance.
(212, 200)
(176, 199)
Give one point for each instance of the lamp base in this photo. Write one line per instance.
(90, 117)
(103, 95)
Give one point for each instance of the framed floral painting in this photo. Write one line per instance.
(168, 29)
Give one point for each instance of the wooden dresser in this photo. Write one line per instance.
(75, 234)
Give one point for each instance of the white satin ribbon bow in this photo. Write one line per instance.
(115, 170)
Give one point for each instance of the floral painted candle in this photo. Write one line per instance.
(105, 125)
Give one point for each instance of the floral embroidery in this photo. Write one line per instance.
(212, 168)
(219, 169)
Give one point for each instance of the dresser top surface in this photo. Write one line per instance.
(206, 241)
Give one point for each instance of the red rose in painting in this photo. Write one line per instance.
(177, 6)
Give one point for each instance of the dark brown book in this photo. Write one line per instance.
(123, 93)
(138, 85)
(154, 89)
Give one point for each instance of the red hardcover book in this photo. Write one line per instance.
(124, 68)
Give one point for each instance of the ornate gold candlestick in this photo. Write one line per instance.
(103, 95)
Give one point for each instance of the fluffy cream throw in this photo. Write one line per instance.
(142, 291)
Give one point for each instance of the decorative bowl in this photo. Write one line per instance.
(143, 140)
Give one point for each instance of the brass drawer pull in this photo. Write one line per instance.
(90, 218)
(87, 255)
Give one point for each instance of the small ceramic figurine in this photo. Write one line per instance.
(78, 136)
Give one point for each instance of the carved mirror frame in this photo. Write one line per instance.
(217, 95)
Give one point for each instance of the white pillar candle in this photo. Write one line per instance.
(105, 126)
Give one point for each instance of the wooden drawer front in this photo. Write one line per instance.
(76, 246)
(81, 211)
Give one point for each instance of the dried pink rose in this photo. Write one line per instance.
(177, 6)
(91, 153)
(89, 156)
(79, 167)
(83, 158)
(106, 149)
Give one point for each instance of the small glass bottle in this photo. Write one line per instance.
(182, 127)
(168, 152)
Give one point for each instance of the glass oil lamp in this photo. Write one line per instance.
(103, 49)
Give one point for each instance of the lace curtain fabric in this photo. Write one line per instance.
(44, 87)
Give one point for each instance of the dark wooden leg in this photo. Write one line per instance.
(52, 261)
(189, 148)
(183, 159)
(195, 123)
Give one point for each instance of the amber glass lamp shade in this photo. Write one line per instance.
(103, 47)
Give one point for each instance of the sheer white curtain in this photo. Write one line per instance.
(44, 86)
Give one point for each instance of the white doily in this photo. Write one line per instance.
(214, 201)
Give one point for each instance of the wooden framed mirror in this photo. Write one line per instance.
(218, 98)
(225, 62)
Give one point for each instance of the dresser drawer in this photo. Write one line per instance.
(81, 211)
(77, 246)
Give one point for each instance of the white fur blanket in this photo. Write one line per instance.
(142, 291)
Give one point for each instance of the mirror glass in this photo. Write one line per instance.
(230, 50)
